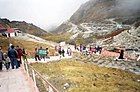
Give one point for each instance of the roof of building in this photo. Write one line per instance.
(10, 30)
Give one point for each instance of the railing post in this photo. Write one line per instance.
(34, 76)
(26, 66)
(34, 79)
(50, 89)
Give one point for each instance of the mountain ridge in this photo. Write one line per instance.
(23, 26)
(98, 10)
(100, 19)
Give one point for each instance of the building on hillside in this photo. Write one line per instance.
(13, 32)
(10, 32)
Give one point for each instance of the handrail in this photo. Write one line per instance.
(55, 90)
(50, 87)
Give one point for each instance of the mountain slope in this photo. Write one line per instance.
(23, 26)
(101, 19)
(97, 10)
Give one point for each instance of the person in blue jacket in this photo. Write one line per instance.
(12, 54)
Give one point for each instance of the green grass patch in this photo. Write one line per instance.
(85, 77)
(58, 37)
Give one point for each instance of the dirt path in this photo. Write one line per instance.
(29, 37)
(51, 59)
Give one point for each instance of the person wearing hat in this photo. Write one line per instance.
(6, 61)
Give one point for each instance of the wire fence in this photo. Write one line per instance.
(41, 83)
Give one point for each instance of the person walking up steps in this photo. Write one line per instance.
(121, 55)
(12, 54)
(1, 58)
(59, 51)
(42, 53)
(6, 61)
(36, 55)
(19, 54)
(81, 48)
(24, 55)
(63, 52)
(47, 53)
(69, 51)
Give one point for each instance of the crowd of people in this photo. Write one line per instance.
(41, 53)
(12, 57)
(88, 50)
(14, 54)
(98, 50)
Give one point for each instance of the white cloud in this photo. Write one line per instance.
(40, 12)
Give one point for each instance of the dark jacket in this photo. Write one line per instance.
(1, 56)
(12, 53)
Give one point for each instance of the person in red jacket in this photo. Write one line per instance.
(19, 53)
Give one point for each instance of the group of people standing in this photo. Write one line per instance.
(12, 57)
(88, 51)
(41, 54)
(61, 51)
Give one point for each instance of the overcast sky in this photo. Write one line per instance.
(42, 13)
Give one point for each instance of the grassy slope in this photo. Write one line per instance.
(57, 37)
(4, 42)
(28, 45)
(66, 37)
(84, 77)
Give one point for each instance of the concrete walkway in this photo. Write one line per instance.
(51, 59)
(15, 80)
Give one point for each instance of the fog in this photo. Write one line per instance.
(130, 4)
(47, 13)
(43, 13)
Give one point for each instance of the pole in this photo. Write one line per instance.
(34, 76)
(26, 66)
(9, 39)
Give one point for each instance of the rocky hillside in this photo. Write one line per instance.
(129, 39)
(62, 28)
(125, 11)
(23, 26)
(101, 19)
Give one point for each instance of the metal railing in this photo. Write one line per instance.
(36, 76)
